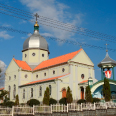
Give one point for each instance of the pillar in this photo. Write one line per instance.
(113, 72)
(101, 73)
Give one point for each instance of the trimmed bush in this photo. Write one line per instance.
(9, 104)
(52, 101)
(96, 100)
(32, 102)
(81, 101)
(63, 101)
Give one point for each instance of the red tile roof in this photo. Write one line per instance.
(43, 80)
(84, 81)
(57, 60)
(1, 88)
(22, 64)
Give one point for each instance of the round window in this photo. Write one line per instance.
(33, 54)
(42, 55)
(82, 76)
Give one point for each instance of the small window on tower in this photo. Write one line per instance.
(42, 55)
(25, 55)
(63, 69)
(33, 54)
(36, 76)
(26, 76)
(53, 71)
(44, 74)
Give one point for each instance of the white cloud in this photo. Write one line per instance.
(56, 11)
(5, 35)
(6, 25)
(2, 76)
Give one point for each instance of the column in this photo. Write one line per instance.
(101, 73)
(113, 72)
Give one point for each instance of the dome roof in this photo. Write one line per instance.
(107, 61)
(35, 41)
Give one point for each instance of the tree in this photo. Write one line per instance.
(46, 97)
(17, 100)
(106, 90)
(88, 95)
(3, 94)
(69, 98)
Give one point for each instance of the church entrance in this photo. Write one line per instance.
(63, 92)
(82, 93)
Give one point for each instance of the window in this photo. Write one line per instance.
(9, 89)
(31, 92)
(42, 55)
(53, 71)
(36, 76)
(26, 76)
(63, 69)
(50, 89)
(25, 55)
(14, 91)
(9, 77)
(40, 91)
(82, 76)
(44, 74)
(14, 76)
(23, 93)
(33, 54)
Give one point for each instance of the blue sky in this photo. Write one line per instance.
(96, 15)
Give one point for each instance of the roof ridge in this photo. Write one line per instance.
(47, 79)
(59, 62)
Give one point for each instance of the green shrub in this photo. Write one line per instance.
(9, 104)
(52, 101)
(81, 101)
(96, 100)
(63, 101)
(32, 102)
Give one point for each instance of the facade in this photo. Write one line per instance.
(30, 77)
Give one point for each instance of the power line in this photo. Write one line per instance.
(82, 31)
(58, 39)
(58, 27)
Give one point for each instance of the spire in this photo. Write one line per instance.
(106, 47)
(36, 26)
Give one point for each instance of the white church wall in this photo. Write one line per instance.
(11, 78)
(36, 90)
(26, 77)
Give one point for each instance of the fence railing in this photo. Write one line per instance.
(26, 110)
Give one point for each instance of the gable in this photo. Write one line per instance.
(82, 58)
(12, 66)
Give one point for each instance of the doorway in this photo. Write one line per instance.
(82, 93)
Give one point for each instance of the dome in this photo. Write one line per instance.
(35, 41)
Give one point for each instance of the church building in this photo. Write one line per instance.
(30, 76)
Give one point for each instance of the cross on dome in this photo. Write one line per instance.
(37, 16)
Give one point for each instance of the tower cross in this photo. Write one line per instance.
(37, 16)
(106, 47)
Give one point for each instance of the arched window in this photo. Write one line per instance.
(31, 92)
(23, 93)
(14, 91)
(40, 91)
(50, 89)
(9, 89)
